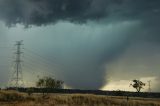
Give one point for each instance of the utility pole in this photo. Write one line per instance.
(149, 86)
(17, 77)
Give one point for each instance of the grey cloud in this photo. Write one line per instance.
(43, 12)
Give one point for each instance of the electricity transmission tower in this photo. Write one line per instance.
(149, 86)
(17, 77)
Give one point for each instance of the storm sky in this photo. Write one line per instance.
(90, 44)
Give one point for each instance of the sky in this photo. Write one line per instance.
(89, 44)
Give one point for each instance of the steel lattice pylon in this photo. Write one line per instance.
(17, 75)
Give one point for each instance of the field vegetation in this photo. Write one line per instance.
(13, 98)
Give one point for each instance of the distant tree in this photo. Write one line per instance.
(41, 83)
(49, 82)
(138, 85)
(59, 84)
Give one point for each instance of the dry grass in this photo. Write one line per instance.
(12, 98)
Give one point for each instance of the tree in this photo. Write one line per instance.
(59, 84)
(49, 82)
(40, 83)
(138, 85)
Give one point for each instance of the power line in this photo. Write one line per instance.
(48, 60)
(41, 59)
(39, 63)
(37, 69)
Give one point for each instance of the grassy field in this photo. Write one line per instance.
(13, 98)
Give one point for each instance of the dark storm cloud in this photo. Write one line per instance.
(44, 12)
(39, 12)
